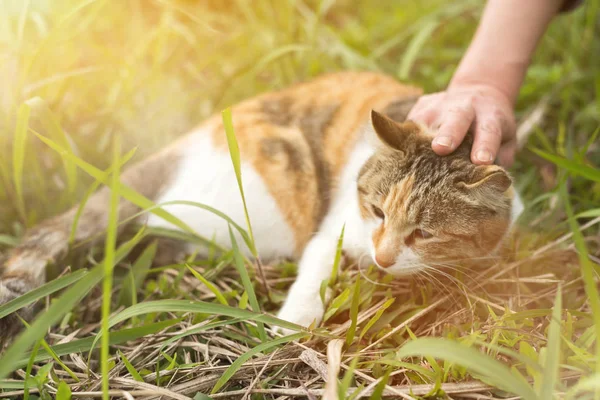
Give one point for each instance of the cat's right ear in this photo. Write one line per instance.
(392, 133)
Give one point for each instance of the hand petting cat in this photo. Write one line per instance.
(461, 106)
(486, 84)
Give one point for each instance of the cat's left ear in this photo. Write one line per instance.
(489, 177)
(392, 133)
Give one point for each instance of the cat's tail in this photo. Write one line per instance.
(48, 242)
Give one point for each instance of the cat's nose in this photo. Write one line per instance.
(382, 262)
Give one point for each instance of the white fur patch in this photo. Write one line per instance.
(517, 207)
(303, 304)
(205, 175)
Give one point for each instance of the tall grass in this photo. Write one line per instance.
(84, 78)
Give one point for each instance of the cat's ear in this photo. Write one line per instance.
(392, 133)
(491, 177)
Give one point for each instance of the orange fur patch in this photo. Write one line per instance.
(299, 139)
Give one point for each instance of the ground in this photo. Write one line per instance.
(144, 72)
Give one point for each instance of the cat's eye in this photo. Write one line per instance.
(422, 234)
(377, 211)
(417, 234)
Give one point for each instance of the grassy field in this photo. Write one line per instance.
(96, 77)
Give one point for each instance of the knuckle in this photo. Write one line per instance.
(499, 114)
(458, 110)
(416, 114)
(428, 98)
(452, 130)
(491, 128)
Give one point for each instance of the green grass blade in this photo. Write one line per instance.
(414, 47)
(585, 384)
(85, 345)
(336, 304)
(587, 269)
(125, 191)
(53, 314)
(380, 387)
(346, 381)
(591, 140)
(574, 167)
(56, 311)
(215, 290)
(243, 303)
(93, 188)
(552, 366)
(200, 329)
(241, 268)
(9, 384)
(353, 312)
(28, 370)
(235, 366)
(338, 257)
(589, 214)
(109, 263)
(63, 392)
(134, 373)
(198, 307)
(47, 347)
(40, 292)
(139, 270)
(53, 127)
(494, 372)
(511, 353)
(53, 354)
(276, 54)
(7, 240)
(212, 210)
(20, 141)
(375, 318)
(234, 152)
(409, 366)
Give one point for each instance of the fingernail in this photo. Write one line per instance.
(444, 141)
(484, 156)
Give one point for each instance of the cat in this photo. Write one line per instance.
(332, 152)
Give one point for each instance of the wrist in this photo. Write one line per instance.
(504, 43)
(506, 79)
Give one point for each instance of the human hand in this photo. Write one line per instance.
(457, 108)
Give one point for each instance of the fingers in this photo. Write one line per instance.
(506, 154)
(455, 123)
(488, 136)
(425, 110)
(452, 113)
(494, 129)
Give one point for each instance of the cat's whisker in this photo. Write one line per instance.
(366, 278)
(459, 285)
(437, 269)
(436, 282)
(467, 259)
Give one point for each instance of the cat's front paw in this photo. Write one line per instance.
(302, 310)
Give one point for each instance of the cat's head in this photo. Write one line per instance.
(423, 210)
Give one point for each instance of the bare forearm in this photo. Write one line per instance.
(504, 44)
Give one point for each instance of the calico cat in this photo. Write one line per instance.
(332, 152)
